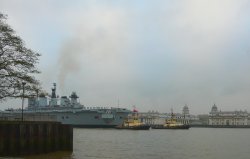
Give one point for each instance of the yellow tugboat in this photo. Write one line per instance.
(171, 124)
(133, 123)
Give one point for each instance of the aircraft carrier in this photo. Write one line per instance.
(70, 111)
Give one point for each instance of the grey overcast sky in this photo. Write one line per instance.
(156, 55)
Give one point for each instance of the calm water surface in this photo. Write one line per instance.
(195, 143)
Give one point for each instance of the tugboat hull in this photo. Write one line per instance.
(139, 127)
(171, 127)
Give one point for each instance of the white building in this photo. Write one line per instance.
(156, 118)
(227, 118)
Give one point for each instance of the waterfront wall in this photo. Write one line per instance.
(25, 138)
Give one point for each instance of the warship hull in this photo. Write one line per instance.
(102, 118)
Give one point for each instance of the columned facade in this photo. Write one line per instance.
(155, 118)
(227, 118)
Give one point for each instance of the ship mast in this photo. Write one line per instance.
(53, 101)
(172, 114)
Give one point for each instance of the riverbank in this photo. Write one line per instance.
(220, 126)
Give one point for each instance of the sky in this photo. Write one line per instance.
(156, 55)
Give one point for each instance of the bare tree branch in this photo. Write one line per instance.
(17, 64)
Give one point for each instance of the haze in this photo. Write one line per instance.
(156, 55)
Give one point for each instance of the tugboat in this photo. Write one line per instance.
(133, 123)
(171, 124)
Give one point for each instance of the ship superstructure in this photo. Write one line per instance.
(70, 111)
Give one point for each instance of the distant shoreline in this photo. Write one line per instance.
(220, 126)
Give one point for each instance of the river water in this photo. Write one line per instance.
(195, 143)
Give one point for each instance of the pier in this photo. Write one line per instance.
(34, 137)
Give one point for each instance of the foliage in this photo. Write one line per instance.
(17, 64)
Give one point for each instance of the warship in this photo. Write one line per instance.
(70, 111)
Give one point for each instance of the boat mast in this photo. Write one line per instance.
(53, 96)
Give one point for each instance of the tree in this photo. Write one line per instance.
(17, 64)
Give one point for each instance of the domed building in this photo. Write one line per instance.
(227, 118)
(214, 109)
(185, 116)
(185, 111)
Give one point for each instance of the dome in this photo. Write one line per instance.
(185, 107)
(185, 110)
(214, 108)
